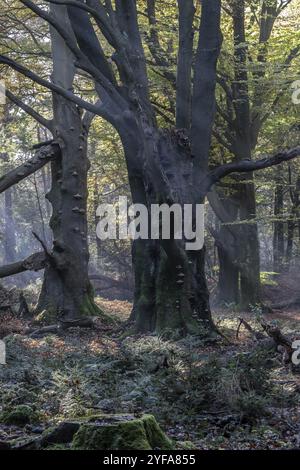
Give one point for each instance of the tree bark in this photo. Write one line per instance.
(35, 262)
(42, 156)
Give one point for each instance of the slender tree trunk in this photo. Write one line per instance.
(290, 243)
(10, 229)
(249, 255)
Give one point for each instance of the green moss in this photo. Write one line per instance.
(89, 308)
(20, 416)
(58, 447)
(155, 435)
(267, 278)
(134, 434)
(185, 445)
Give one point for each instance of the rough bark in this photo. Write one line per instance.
(170, 285)
(159, 169)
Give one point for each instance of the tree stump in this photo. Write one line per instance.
(121, 432)
(108, 432)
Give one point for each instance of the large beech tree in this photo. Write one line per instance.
(167, 166)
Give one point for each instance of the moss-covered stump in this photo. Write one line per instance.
(121, 433)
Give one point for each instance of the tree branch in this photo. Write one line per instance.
(34, 114)
(247, 166)
(83, 61)
(98, 14)
(42, 157)
(184, 68)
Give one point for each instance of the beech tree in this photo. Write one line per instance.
(249, 101)
(104, 41)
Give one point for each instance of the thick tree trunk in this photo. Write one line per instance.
(170, 284)
(170, 293)
(228, 291)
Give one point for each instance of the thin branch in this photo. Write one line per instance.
(53, 87)
(35, 262)
(246, 166)
(82, 61)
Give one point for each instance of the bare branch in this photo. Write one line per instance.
(34, 114)
(42, 157)
(247, 166)
(100, 110)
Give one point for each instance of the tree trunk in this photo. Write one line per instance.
(170, 284)
(278, 236)
(228, 285)
(66, 290)
(226, 241)
(249, 255)
(170, 293)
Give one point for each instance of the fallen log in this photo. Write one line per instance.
(287, 304)
(279, 339)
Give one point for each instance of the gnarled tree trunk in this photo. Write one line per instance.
(170, 284)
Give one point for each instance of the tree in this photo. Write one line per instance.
(164, 165)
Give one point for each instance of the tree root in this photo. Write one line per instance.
(60, 327)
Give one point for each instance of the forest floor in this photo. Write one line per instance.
(219, 393)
